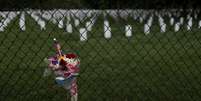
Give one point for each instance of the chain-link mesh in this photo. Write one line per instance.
(126, 55)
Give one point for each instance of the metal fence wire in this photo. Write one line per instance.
(125, 55)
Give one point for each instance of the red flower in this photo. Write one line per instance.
(62, 62)
(71, 56)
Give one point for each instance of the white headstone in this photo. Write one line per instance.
(46, 15)
(190, 23)
(135, 16)
(89, 13)
(146, 29)
(61, 24)
(34, 16)
(83, 34)
(89, 25)
(162, 24)
(188, 16)
(128, 30)
(22, 22)
(141, 19)
(54, 21)
(199, 24)
(123, 14)
(150, 21)
(177, 27)
(29, 12)
(18, 12)
(107, 30)
(171, 21)
(68, 17)
(113, 14)
(69, 28)
(6, 22)
(160, 19)
(1, 27)
(76, 22)
(3, 14)
(41, 23)
(181, 20)
(195, 15)
(12, 15)
(163, 27)
(169, 14)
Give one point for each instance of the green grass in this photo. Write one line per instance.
(154, 67)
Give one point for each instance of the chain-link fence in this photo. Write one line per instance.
(126, 55)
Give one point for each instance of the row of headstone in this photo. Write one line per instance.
(38, 19)
(7, 18)
(138, 14)
(76, 15)
(107, 31)
(5, 14)
(88, 27)
(113, 14)
(57, 17)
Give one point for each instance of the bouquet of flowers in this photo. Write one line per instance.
(65, 68)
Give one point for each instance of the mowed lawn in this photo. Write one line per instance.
(155, 67)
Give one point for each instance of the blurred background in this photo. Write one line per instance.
(98, 4)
